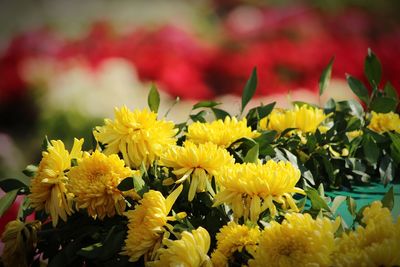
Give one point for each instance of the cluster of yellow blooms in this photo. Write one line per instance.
(384, 122)
(375, 244)
(305, 119)
(138, 139)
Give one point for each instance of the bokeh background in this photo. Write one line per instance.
(64, 65)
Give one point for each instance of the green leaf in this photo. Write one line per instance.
(372, 69)
(74, 162)
(351, 206)
(199, 116)
(358, 88)
(388, 199)
(395, 146)
(140, 185)
(301, 203)
(106, 249)
(337, 201)
(205, 104)
(308, 176)
(330, 106)
(383, 104)
(370, 148)
(249, 89)
(353, 124)
(30, 170)
(317, 202)
(25, 209)
(252, 154)
(395, 137)
(352, 106)
(46, 143)
(395, 153)
(386, 170)
(7, 200)
(220, 114)
(112, 243)
(153, 99)
(9, 184)
(126, 184)
(325, 77)
(292, 158)
(260, 112)
(266, 137)
(390, 91)
(328, 168)
(360, 215)
(181, 127)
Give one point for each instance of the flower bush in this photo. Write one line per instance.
(243, 190)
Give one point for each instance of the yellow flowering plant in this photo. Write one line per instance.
(341, 144)
(255, 189)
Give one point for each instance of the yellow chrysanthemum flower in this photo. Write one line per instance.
(231, 238)
(220, 132)
(384, 122)
(94, 183)
(137, 135)
(189, 251)
(48, 187)
(305, 119)
(376, 244)
(197, 163)
(146, 223)
(298, 241)
(251, 188)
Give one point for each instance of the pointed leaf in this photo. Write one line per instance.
(358, 88)
(337, 201)
(252, 154)
(256, 114)
(264, 111)
(261, 111)
(372, 68)
(325, 77)
(266, 137)
(395, 146)
(205, 104)
(46, 143)
(220, 114)
(386, 170)
(371, 149)
(317, 202)
(390, 91)
(353, 106)
(351, 206)
(126, 184)
(30, 170)
(199, 116)
(388, 199)
(139, 184)
(153, 99)
(9, 184)
(353, 124)
(383, 104)
(330, 106)
(249, 89)
(7, 200)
